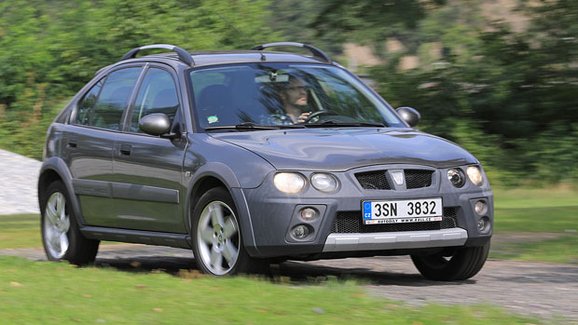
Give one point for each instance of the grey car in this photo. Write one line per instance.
(253, 157)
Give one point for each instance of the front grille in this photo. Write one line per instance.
(374, 180)
(351, 222)
(377, 180)
(417, 178)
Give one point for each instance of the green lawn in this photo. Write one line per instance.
(528, 198)
(536, 210)
(57, 293)
(546, 219)
(20, 231)
(563, 249)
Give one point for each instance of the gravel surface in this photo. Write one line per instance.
(18, 195)
(546, 291)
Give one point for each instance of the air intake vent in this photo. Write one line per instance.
(415, 178)
(350, 222)
(374, 180)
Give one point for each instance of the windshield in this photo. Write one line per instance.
(292, 95)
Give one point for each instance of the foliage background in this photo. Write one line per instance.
(508, 96)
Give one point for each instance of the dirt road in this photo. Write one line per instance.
(546, 291)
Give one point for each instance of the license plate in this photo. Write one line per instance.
(401, 211)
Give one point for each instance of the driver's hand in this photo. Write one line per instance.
(303, 117)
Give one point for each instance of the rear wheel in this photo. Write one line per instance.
(452, 264)
(61, 237)
(217, 241)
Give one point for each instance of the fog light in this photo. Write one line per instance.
(300, 231)
(309, 214)
(483, 224)
(481, 207)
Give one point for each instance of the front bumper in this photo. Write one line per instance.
(395, 240)
(268, 216)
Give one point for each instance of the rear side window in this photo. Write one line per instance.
(86, 105)
(157, 94)
(106, 101)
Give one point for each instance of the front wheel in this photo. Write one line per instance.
(454, 264)
(217, 241)
(61, 237)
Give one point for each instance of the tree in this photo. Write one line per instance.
(50, 49)
(514, 91)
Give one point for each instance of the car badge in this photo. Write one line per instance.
(397, 177)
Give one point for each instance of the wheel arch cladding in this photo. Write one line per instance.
(47, 177)
(209, 179)
(55, 169)
(204, 184)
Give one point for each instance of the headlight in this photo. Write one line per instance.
(289, 183)
(475, 175)
(456, 177)
(324, 182)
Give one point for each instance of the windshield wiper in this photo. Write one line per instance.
(344, 124)
(250, 126)
(242, 127)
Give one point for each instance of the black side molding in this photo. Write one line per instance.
(138, 236)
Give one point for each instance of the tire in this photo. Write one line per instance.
(217, 240)
(61, 237)
(454, 265)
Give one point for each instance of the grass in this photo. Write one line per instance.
(20, 231)
(563, 249)
(57, 293)
(536, 210)
(551, 219)
(535, 198)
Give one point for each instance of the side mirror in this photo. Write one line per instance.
(155, 124)
(410, 115)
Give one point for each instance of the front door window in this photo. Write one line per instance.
(157, 94)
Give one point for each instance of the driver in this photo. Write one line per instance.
(294, 97)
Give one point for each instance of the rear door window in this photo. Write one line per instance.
(105, 102)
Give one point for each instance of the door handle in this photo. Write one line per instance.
(125, 149)
(72, 143)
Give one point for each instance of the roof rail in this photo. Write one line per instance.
(315, 51)
(184, 56)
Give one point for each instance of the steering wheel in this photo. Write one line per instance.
(279, 119)
(314, 117)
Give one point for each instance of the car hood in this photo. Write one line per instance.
(343, 149)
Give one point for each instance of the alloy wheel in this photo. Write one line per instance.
(218, 238)
(56, 225)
